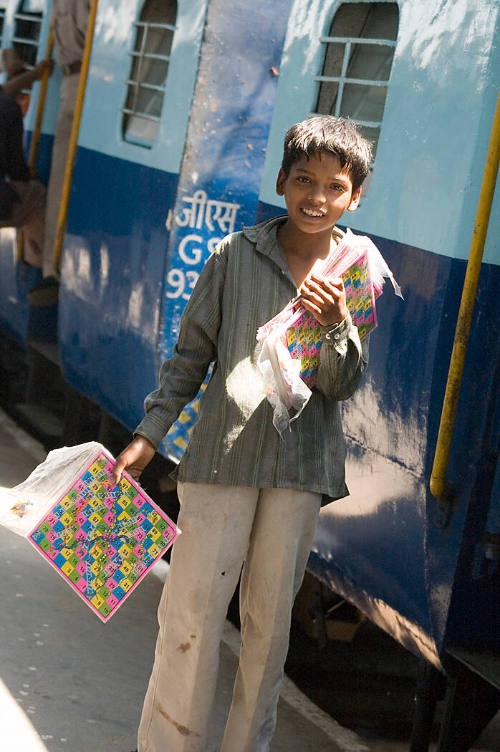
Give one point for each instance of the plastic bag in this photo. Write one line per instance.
(22, 506)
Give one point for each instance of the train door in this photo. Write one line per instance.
(224, 156)
(132, 138)
(24, 26)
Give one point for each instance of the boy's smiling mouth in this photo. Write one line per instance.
(313, 212)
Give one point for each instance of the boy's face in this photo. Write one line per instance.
(317, 192)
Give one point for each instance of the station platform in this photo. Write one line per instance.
(71, 683)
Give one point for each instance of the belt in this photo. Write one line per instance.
(71, 68)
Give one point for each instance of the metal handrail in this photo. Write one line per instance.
(144, 85)
(73, 141)
(40, 107)
(358, 40)
(347, 80)
(31, 18)
(438, 484)
(150, 56)
(29, 41)
(144, 115)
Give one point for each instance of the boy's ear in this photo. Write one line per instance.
(280, 182)
(355, 200)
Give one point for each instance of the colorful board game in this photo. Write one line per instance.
(103, 539)
(360, 296)
(303, 340)
(303, 336)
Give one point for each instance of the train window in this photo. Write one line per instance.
(2, 22)
(154, 32)
(358, 55)
(27, 24)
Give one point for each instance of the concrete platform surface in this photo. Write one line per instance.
(69, 683)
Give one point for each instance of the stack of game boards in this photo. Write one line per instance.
(100, 537)
(360, 265)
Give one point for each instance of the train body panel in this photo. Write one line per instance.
(224, 159)
(426, 178)
(145, 213)
(387, 546)
(113, 269)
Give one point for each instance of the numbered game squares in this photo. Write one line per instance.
(103, 539)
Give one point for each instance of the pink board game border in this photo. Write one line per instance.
(172, 526)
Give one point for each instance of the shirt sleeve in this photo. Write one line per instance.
(343, 359)
(182, 375)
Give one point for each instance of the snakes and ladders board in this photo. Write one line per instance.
(303, 339)
(103, 539)
(303, 336)
(360, 296)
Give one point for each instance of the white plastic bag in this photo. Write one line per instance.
(24, 505)
(287, 393)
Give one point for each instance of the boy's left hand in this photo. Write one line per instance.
(324, 298)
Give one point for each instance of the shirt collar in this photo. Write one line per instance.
(266, 242)
(264, 237)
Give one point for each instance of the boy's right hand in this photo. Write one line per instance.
(134, 458)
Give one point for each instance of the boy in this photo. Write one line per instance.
(250, 499)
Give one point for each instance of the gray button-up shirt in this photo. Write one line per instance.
(245, 283)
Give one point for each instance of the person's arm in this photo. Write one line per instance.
(25, 79)
(182, 375)
(343, 359)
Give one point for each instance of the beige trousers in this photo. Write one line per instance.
(269, 533)
(29, 214)
(68, 91)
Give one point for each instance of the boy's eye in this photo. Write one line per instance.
(303, 179)
(337, 187)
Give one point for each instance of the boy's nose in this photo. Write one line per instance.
(317, 195)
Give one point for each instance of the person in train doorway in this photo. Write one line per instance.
(249, 499)
(22, 195)
(69, 22)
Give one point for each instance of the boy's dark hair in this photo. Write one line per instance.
(331, 135)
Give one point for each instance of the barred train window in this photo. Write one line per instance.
(148, 71)
(27, 25)
(2, 22)
(357, 64)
